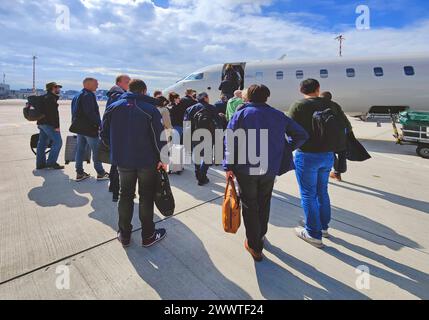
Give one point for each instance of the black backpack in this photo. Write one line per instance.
(329, 133)
(204, 119)
(32, 109)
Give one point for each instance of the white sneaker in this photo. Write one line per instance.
(325, 233)
(303, 234)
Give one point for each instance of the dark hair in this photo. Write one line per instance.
(258, 93)
(173, 96)
(309, 86)
(189, 92)
(157, 93)
(137, 86)
(326, 95)
(163, 100)
(120, 77)
(202, 96)
(88, 79)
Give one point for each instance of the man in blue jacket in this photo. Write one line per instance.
(256, 180)
(85, 106)
(133, 129)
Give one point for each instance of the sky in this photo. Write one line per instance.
(162, 41)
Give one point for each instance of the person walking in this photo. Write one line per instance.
(85, 111)
(313, 161)
(49, 129)
(256, 181)
(139, 123)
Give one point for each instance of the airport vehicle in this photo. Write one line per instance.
(415, 131)
(359, 85)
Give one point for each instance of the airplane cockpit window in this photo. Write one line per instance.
(300, 74)
(378, 71)
(409, 71)
(324, 73)
(279, 75)
(195, 76)
(351, 73)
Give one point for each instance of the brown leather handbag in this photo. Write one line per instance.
(231, 208)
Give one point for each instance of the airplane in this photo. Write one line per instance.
(377, 85)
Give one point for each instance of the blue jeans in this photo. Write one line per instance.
(312, 173)
(82, 142)
(48, 133)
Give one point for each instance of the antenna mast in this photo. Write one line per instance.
(34, 74)
(340, 39)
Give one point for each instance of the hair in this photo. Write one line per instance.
(309, 86)
(86, 80)
(137, 86)
(223, 97)
(326, 95)
(173, 96)
(201, 97)
(189, 92)
(258, 93)
(163, 100)
(120, 77)
(157, 93)
(228, 67)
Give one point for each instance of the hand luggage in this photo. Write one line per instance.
(104, 153)
(176, 164)
(34, 140)
(164, 199)
(231, 208)
(70, 151)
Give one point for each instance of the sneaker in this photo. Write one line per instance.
(125, 241)
(325, 233)
(303, 234)
(335, 176)
(41, 167)
(257, 256)
(82, 176)
(157, 237)
(55, 166)
(103, 177)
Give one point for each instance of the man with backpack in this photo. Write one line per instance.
(49, 127)
(138, 122)
(203, 115)
(314, 160)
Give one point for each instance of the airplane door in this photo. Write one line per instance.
(239, 68)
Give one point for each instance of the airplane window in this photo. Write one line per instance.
(323, 73)
(195, 76)
(279, 75)
(378, 71)
(350, 72)
(300, 74)
(409, 71)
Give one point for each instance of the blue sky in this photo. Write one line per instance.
(163, 40)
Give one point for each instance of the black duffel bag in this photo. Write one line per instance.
(82, 125)
(164, 199)
(104, 153)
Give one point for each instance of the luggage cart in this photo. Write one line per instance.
(413, 133)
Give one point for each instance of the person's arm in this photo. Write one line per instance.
(105, 127)
(296, 133)
(52, 114)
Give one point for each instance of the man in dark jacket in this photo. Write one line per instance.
(202, 167)
(227, 88)
(133, 120)
(49, 128)
(85, 106)
(256, 180)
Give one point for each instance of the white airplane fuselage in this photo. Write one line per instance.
(357, 84)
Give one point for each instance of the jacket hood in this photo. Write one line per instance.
(115, 90)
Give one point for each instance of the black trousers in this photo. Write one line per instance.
(114, 180)
(146, 179)
(256, 193)
(340, 164)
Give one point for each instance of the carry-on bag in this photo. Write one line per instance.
(71, 148)
(231, 208)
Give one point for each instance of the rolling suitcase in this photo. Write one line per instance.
(176, 164)
(104, 153)
(70, 152)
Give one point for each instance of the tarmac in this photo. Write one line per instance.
(52, 227)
